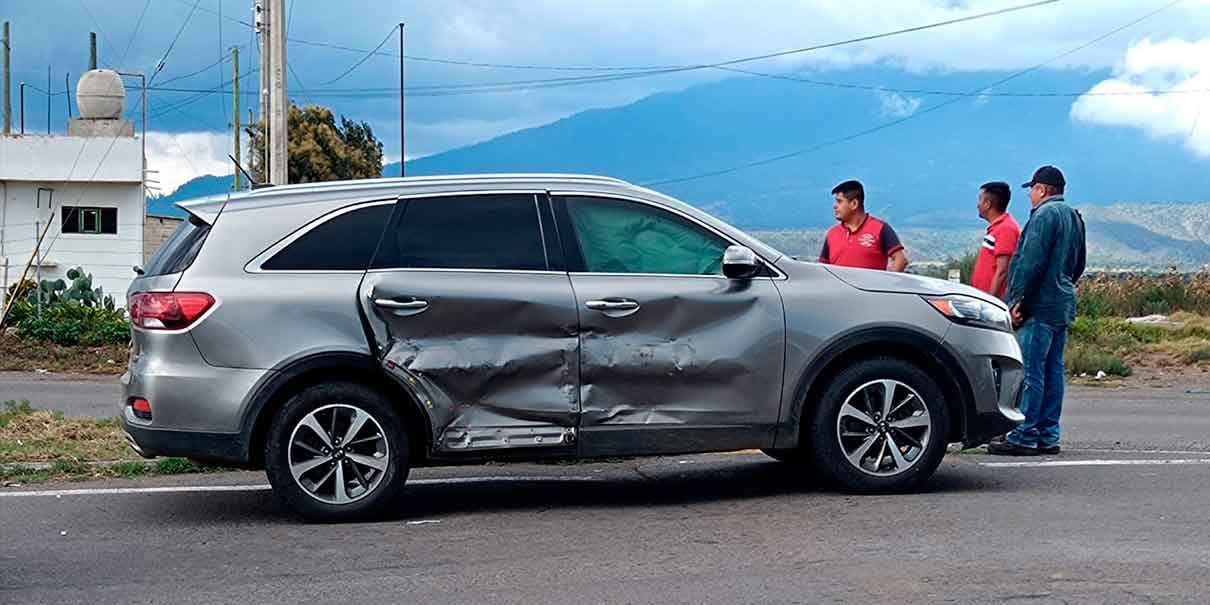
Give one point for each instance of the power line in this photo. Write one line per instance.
(134, 34)
(359, 62)
(928, 110)
(159, 66)
(104, 36)
(194, 73)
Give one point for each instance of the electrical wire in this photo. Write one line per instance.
(362, 60)
(926, 111)
(159, 66)
(135, 33)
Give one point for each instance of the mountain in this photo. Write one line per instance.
(201, 186)
(921, 174)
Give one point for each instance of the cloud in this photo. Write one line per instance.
(895, 105)
(1171, 64)
(182, 156)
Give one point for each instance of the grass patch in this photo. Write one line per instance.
(21, 355)
(38, 446)
(1088, 359)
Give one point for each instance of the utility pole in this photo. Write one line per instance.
(92, 50)
(235, 61)
(266, 63)
(8, 93)
(403, 114)
(278, 101)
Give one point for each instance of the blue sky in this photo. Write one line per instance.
(1167, 50)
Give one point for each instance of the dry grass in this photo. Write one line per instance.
(28, 435)
(26, 356)
(37, 445)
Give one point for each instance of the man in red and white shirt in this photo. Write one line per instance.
(860, 240)
(1000, 242)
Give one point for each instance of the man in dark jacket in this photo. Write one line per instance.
(1042, 295)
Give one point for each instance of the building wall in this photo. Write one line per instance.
(157, 231)
(108, 257)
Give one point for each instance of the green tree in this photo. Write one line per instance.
(320, 149)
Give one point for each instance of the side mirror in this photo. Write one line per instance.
(740, 262)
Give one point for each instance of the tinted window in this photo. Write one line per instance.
(627, 237)
(179, 251)
(466, 232)
(344, 242)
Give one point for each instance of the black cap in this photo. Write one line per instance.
(1046, 175)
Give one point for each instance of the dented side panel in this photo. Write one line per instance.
(493, 356)
(698, 354)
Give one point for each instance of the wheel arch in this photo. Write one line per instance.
(297, 375)
(908, 344)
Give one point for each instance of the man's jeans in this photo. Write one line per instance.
(1042, 402)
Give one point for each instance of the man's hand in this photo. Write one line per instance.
(1018, 318)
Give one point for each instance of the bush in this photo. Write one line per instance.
(69, 323)
(1089, 359)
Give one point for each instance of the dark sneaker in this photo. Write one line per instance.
(1049, 450)
(1007, 448)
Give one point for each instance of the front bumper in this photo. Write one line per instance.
(991, 361)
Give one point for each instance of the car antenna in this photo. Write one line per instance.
(251, 181)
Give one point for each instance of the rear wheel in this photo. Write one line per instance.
(337, 452)
(880, 427)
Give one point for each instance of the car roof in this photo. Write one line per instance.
(207, 209)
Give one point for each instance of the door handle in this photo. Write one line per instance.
(412, 305)
(612, 305)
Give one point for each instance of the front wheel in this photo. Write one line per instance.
(880, 427)
(337, 452)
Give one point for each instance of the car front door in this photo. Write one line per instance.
(674, 357)
(473, 312)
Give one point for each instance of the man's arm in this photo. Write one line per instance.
(893, 248)
(1000, 278)
(899, 261)
(1031, 257)
(1082, 250)
(825, 255)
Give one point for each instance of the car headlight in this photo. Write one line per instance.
(972, 311)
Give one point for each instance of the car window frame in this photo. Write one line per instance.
(256, 265)
(538, 196)
(575, 256)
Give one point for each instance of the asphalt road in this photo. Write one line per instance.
(1109, 523)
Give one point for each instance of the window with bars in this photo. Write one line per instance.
(91, 220)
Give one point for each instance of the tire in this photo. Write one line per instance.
(374, 467)
(844, 448)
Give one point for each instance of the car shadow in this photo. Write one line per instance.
(506, 490)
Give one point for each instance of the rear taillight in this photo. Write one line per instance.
(141, 408)
(168, 310)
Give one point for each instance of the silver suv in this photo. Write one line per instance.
(341, 334)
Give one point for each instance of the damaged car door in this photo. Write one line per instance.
(473, 312)
(674, 356)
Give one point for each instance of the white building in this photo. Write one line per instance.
(88, 186)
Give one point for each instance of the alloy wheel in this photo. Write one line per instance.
(884, 428)
(338, 454)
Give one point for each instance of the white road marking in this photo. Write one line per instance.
(108, 491)
(1056, 463)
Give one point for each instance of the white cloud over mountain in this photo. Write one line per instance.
(1173, 64)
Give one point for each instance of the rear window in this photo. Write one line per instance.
(344, 242)
(179, 251)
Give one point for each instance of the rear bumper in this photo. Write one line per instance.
(221, 448)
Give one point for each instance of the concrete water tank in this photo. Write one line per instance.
(100, 95)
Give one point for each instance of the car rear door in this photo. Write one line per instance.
(674, 357)
(474, 314)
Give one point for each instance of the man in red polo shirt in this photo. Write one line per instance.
(1000, 243)
(860, 240)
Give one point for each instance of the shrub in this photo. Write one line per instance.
(1089, 359)
(69, 323)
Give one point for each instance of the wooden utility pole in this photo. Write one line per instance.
(92, 50)
(278, 101)
(238, 174)
(403, 114)
(8, 93)
(266, 63)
